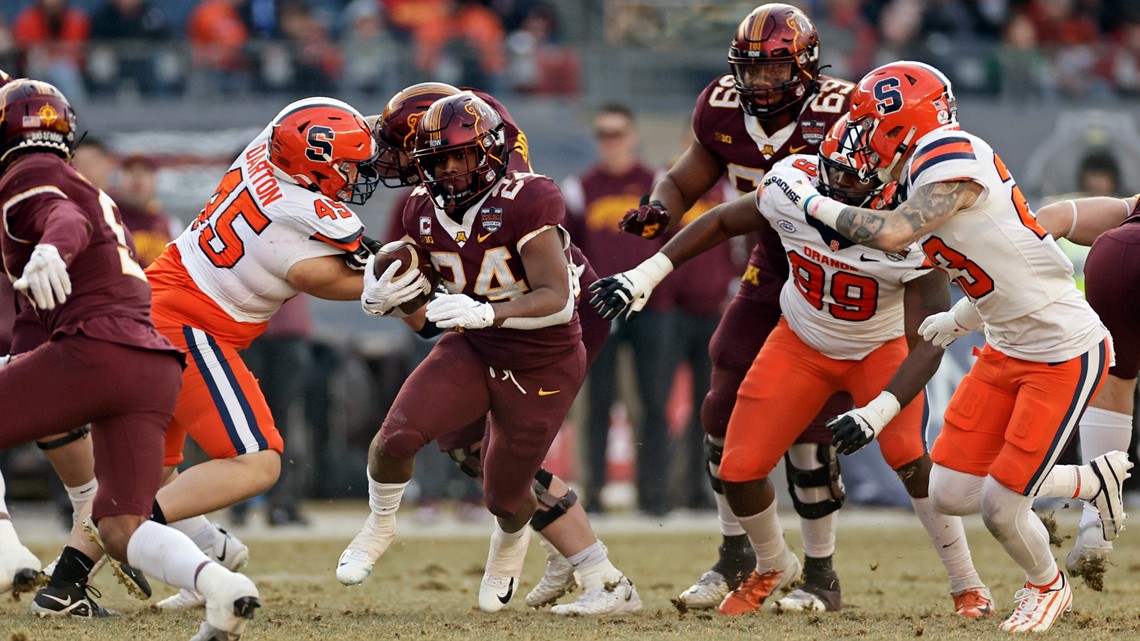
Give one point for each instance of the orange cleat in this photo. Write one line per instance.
(752, 592)
(974, 603)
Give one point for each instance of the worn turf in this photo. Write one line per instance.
(425, 588)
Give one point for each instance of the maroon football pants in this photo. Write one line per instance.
(126, 393)
(453, 387)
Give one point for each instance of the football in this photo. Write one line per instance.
(411, 256)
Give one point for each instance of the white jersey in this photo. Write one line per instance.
(1000, 256)
(258, 225)
(841, 299)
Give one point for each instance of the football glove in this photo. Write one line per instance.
(944, 328)
(45, 280)
(383, 296)
(649, 220)
(623, 295)
(852, 431)
(459, 310)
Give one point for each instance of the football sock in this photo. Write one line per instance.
(736, 559)
(72, 568)
(948, 536)
(818, 571)
(500, 560)
(1103, 431)
(199, 529)
(166, 554)
(80, 496)
(594, 566)
(1070, 482)
(1009, 518)
(3, 493)
(766, 536)
(384, 498)
(729, 524)
(819, 535)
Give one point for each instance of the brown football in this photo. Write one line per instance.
(411, 256)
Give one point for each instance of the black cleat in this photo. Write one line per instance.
(76, 600)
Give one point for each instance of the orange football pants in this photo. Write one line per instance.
(786, 387)
(1012, 419)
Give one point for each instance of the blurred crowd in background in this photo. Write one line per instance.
(1020, 49)
(329, 373)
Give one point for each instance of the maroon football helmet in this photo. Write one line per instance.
(34, 114)
(775, 59)
(395, 131)
(4, 78)
(460, 150)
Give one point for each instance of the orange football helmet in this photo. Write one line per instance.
(774, 59)
(318, 141)
(395, 131)
(892, 108)
(463, 123)
(839, 175)
(34, 114)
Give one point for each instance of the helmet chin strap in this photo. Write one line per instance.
(886, 175)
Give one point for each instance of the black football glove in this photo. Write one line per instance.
(649, 220)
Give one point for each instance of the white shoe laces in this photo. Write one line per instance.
(1027, 601)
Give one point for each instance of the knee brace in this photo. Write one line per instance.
(714, 452)
(469, 460)
(556, 506)
(813, 479)
(70, 437)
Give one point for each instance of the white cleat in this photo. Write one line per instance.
(800, 600)
(504, 567)
(1038, 607)
(1090, 564)
(19, 568)
(707, 593)
(229, 607)
(611, 599)
(228, 550)
(1112, 469)
(367, 546)
(558, 580)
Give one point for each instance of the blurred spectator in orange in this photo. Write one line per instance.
(406, 16)
(51, 37)
(463, 48)
(136, 195)
(314, 62)
(132, 31)
(537, 64)
(1019, 67)
(1071, 36)
(369, 68)
(218, 37)
(94, 161)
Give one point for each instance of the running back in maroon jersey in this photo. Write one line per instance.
(110, 297)
(481, 256)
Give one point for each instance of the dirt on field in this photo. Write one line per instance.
(425, 589)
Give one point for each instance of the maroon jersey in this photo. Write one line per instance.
(150, 229)
(748, 152)
(595, 202)
(45, 200)
(481, 256)
(700, 287)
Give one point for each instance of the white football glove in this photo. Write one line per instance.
(944, 328)
(853, 430)
(383, 296)
(45, 279)
(459, 310)
(625, 294)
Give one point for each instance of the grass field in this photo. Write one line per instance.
(425, 588)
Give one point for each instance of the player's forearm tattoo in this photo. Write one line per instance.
(926, 209)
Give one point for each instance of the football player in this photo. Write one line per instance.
(66, 242)
(495, 235)
(560, 521)
(1109, 226)
(773, 104)
(1046, 354)
(848, 319)
(278, 224)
